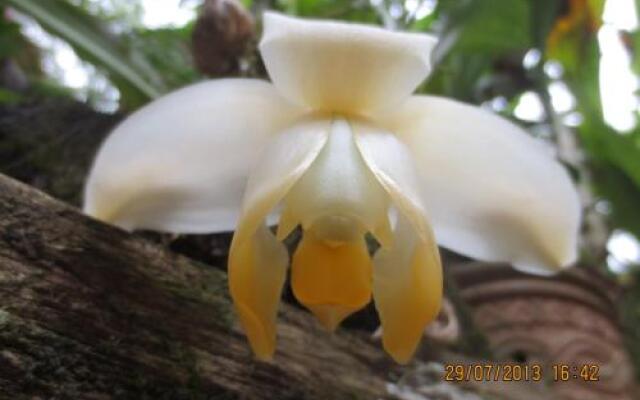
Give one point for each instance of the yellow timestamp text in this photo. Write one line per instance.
(520, 372)
(584, 372)
(492, 372)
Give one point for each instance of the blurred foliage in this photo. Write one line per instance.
(141, 63)
(356, 11)
(125, 14)
(168, 50)
(136, 78)
(480, 26)
(614, 158)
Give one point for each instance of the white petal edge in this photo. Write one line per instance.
(283, 162)
(180, 164)
(343, 67)
(491, 190)
(392, 164)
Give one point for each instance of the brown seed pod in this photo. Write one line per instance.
(221, 34)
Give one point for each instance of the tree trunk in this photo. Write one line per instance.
(88, 311)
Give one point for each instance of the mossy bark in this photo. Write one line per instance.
(90, 311)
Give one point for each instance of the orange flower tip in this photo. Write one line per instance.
(330, 316)
(264, 357)
(402, 355)
(262, 343)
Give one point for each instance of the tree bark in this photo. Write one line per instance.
(50, 144)
(88, 311)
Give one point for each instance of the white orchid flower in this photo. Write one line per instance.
(338, 141)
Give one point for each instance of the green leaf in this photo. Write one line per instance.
(601, 141)
(346, 10)
(92, 42)
(9, 97)
(459, 76)
(10, 39)
(544, 14)
(475, 37)
(622, 194)
(614, 157)
(574, 35)
(492, 26)
(168, 49)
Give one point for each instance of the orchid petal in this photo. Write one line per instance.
(392, 164)
(180, 164)
(283, 162)
(257, 272)
(407, 289)
(257, 261)
(342, 67)
(407, 276)
(493, 193)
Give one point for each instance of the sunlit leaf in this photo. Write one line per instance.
(86, 35)
(574, 32)
(615, 157)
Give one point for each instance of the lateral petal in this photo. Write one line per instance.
(342, 67)
(180, 164)
(493, 193)
(407, 276)
(257, 260)
(407, 289)
(393, 166)
(257, 272)
(283, 162)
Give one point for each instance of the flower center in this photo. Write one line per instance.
(336, 201)
(337, 198)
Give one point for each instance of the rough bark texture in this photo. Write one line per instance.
(90, 311)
